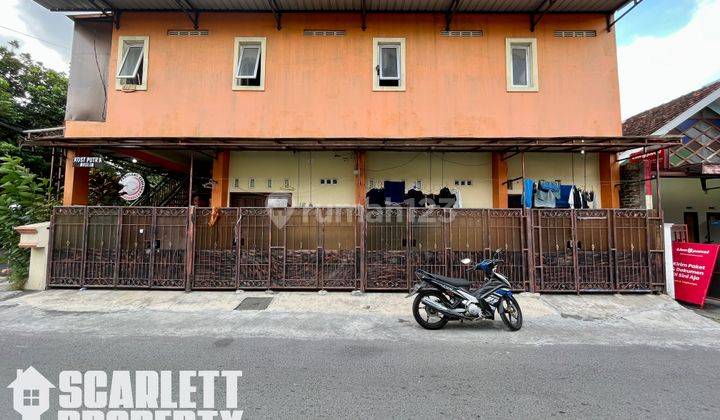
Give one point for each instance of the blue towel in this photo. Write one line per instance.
(528, 187)
(565, 193)
(394, 192)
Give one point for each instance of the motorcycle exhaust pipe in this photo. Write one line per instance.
(442, 308)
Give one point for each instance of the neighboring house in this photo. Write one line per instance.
(314, 104)
(689, 173)
(31, 393)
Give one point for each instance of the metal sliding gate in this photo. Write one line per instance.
(375, 249)
(597, 250)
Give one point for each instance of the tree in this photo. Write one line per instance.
(31, 96)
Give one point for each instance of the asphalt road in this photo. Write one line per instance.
(337, 378)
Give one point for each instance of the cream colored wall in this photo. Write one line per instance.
(303, 169)
(569, 168)
(435, 170)
(680, 193)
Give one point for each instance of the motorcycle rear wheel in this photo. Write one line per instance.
(434, 320)
(510, 313)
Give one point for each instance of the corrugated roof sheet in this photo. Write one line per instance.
(560, 6)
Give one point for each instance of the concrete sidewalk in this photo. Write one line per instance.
(548, 319)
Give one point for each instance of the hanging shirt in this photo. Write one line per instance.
(577, 198)
(415, 198)
(445, 198)
(375, 197)
(547, 194)
(458, 199)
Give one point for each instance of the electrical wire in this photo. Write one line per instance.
(35, 37)
(102, 79)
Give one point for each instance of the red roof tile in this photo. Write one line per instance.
(648, 122)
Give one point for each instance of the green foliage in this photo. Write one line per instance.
(31, 96)
(105, 186)
(22, 201)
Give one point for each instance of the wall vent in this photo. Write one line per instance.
(462, 34)
(324, 32)
(576, 34)
(183, 32)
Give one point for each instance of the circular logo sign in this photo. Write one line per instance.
(133, 186)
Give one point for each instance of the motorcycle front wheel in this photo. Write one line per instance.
(426, 316)
(510, 312)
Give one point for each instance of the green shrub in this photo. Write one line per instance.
(23, 201)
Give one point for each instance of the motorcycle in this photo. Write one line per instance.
(441, 299)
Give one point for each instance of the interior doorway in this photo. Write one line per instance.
(691, 221)
(713, 227)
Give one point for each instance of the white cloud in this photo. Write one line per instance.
(10, 17)
(654, 70)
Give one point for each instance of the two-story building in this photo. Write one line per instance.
(351, 103)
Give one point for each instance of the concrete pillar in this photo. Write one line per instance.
(36, 238)
(221, 176)
(499, 181)
(669, 273)
(609, 181)
(75, 191)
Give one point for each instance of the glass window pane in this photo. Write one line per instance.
(520, 66)
(130, 64)
(389, 65)
(249, 57)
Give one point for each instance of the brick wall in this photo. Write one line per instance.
(632, 187)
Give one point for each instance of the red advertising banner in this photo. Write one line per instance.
(693, 266)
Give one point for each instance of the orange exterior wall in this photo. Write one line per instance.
(322, 86)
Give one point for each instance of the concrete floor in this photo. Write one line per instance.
(340, 356)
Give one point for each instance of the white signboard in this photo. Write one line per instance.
(133, 185)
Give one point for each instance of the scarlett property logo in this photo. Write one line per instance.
(126, 395)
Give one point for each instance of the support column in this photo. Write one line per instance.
(221, 175)
(499, 181)
(609, 181)
(75, 191)
(360, 177)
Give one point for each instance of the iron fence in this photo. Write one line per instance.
(346, 248)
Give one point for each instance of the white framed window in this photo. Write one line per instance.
(522, 65)
(249, 63)
(132, 63)
(389, 64)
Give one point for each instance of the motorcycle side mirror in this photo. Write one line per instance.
(498, 251)
(466, 261)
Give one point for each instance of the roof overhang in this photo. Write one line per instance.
(457, 144)
(373, 6)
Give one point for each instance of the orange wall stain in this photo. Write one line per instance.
(322, 86)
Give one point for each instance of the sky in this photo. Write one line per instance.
(666, 48)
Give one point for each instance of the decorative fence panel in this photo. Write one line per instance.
(555, 256)
(378, 249)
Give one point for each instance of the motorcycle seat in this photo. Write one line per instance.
(453, 280)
